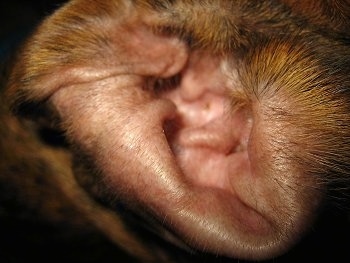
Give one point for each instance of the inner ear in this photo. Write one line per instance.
(209, 128)
(233, 197)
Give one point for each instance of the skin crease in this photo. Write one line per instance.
(192, 117)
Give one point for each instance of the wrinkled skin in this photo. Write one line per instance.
(188, 132)
(216, 188)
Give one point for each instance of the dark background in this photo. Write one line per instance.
(329, 240)
(17, 19)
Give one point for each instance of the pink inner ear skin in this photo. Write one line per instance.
(208, 139)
